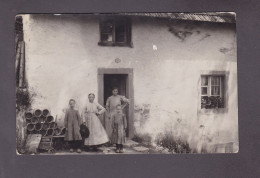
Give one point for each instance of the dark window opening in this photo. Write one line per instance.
(115, 31)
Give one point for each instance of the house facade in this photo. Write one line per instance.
(179, 74)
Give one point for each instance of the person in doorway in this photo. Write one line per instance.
(72, 124)
(119, 125)
(111, 104)
(97, 133)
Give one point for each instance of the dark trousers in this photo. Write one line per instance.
(119, 146)
(75, 144)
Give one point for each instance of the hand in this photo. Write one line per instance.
(97, 114)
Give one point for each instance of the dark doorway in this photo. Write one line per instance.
(122, 78)
(119, 81)
(114, 80)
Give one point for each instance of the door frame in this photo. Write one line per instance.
(129, 91)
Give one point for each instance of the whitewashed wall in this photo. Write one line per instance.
(62, 58)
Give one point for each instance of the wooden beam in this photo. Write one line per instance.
(17, 58)
(22, 68)
(16, 42)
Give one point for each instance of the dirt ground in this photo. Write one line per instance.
(131, 147)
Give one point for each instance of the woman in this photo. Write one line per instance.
(111, 104)
(97, 133)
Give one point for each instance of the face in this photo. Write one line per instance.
(72, 104)
(91, 98)
(115, 92)
(119, 109)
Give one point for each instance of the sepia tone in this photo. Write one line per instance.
(178, 70)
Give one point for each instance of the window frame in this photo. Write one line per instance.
(225, 75)
(209, 86)
(115, 20)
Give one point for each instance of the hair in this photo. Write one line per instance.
(91, 94)
(115, 88)
(72, 100)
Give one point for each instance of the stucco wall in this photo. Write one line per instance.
(62, 58)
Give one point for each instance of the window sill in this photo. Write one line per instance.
(213, 111)
(112, 44)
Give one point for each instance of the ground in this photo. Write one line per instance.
(131, 147)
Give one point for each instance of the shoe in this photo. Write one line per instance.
(106, 144)
(121, 151)
(78, 150)
(117, 151)
(71, 150)
(95, 149)
(87, 149)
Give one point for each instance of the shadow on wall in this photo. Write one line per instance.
(184, 31)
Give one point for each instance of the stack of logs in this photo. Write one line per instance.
(41, 122)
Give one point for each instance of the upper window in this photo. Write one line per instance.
(115, 31)
(212, 91)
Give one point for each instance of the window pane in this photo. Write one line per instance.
(215, 80)
(120, 31)
(204, 90)
(215, 90)
(107, 26)
(204, 80)
(106, 37)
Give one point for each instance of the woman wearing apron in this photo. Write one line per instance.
(97, 133)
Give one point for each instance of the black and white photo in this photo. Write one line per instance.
(126, 83)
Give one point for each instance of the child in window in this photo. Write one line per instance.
(72, 124)
(119, 125)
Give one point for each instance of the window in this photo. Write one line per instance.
(115, 31)
(212, 91)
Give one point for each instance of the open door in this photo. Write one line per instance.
(119, 81)
(114, 80)
(123, 80)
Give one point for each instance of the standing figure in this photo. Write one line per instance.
(72, 124)
(111, 105)
(97, 133)
(119, 125)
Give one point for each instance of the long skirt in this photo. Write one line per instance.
(108, 124)
(118, 136)
(97, 133)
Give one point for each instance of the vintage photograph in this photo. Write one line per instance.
(126, 83)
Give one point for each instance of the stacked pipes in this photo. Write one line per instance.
(41, 122)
